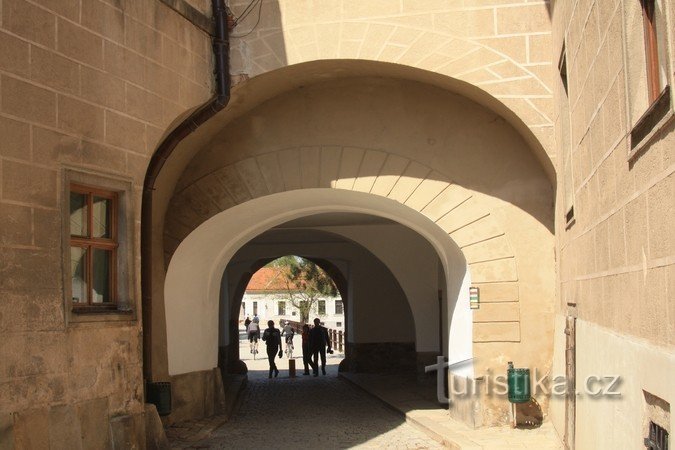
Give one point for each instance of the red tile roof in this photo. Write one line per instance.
(267, 279)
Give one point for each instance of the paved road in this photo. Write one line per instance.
(308, 412)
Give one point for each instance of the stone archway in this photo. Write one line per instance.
(194, 271)
(228, 344)
(455, 166)
(377, 308)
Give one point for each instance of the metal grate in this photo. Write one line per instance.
(658, 438)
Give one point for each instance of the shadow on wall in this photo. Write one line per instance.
(395, 138)
(360, 277)
(367, 129)
(255, 17)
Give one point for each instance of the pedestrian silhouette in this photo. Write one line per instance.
(319, 340)
(272, 338)
(306, 350)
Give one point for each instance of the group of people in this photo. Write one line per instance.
(315, 343)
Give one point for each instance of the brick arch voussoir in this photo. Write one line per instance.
(461, 213)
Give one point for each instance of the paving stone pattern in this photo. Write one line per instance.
(323, 412)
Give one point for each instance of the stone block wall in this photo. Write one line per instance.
(499, 46)
(618, 255)
(616, 259)
(90, 86)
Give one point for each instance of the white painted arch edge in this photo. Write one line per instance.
(193, 278)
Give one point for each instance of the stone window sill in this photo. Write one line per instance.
(84, 310)
(657, 116)
(80, 314)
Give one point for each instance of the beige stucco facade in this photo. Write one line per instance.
(447, 117)
(87, 88)
(616, 259)
(333, 136)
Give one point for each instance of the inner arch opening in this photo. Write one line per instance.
(196, 268)
(291, 291)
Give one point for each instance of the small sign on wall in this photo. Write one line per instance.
(474, 297)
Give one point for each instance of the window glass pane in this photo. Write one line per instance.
(338, 307)
(322, 307)
(101, 217)
(100, 289)
(78, 270)
(78, 214)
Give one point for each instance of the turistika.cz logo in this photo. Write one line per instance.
(496, 384)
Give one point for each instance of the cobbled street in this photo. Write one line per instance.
(309, 412)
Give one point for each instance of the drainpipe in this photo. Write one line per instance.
(221, 52)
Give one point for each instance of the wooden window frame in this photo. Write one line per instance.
(89, 243)
(651, 49)
(660, 109)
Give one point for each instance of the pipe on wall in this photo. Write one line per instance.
(221, 53)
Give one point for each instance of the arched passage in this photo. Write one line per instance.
(456, 166)
(234, 283)
(196, 268)
(378, 311)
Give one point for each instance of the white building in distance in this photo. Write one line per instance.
(267, 297)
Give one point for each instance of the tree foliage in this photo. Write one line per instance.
(305, 283)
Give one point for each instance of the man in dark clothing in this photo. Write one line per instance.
(272, 338)
(318, 341)
(247, 322)
(306, 350)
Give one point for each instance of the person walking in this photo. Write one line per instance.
(253, 331)
(272, 337)
(288, 332)
(246, 322)
(306, 351)
(319, 340)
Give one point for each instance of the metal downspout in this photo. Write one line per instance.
(221, 52)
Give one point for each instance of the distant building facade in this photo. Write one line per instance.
(267, 297)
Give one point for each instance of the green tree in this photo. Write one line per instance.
(305, 283)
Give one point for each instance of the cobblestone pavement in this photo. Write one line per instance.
(323, 412)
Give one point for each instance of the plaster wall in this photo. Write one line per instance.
(414, 263)
(378, 310)
(86, 86)
(193, 281)
(416, 145)
(620, 249)
(641, 365)
(500, 47)
(616, 266)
